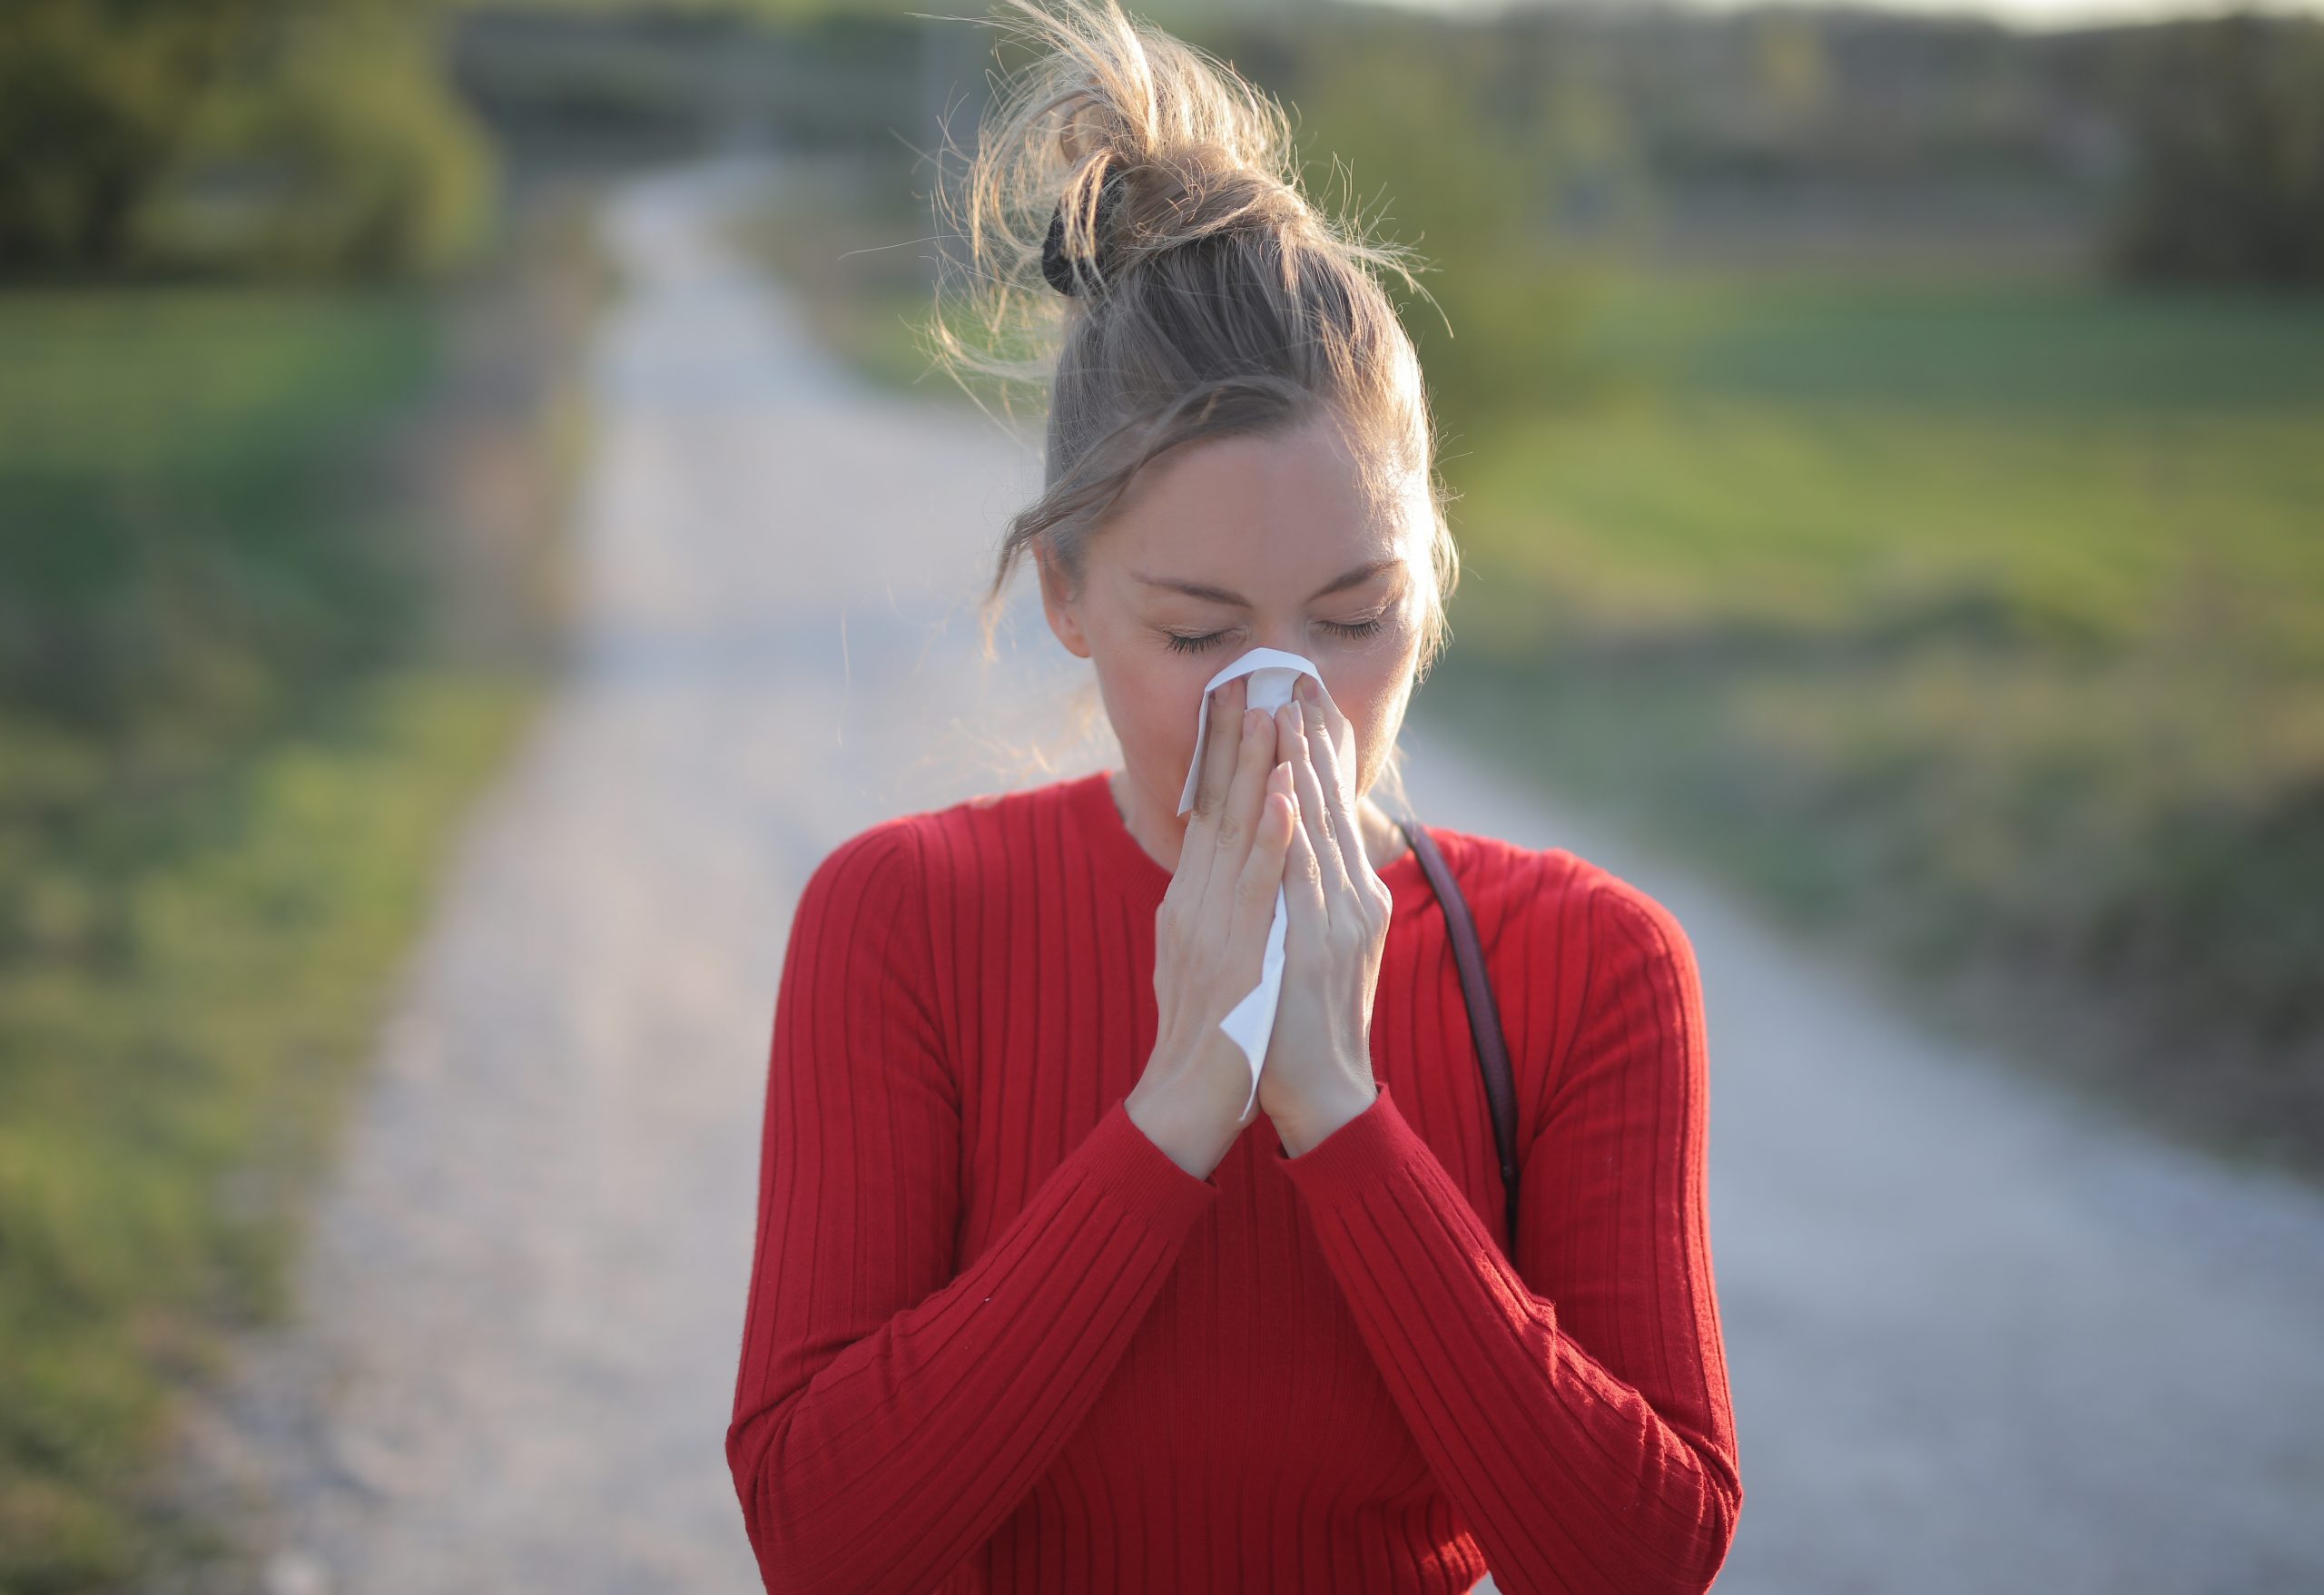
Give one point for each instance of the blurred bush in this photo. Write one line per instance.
(94, 102)
(201, 554)
(1445, 142)
(175, 474)
(2226, 118)
(251, 137)
(237, 727)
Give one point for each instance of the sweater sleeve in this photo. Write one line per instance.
(1574, 1409)
(889, 1415)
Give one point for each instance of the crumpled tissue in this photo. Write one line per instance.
(1274, 673)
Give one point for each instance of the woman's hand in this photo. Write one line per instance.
(1210, 937)
(1318, 1072)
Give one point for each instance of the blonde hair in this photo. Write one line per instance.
(1228, 304)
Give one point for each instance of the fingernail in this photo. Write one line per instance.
(1251, 718)
(1307, 688)
(1296, 716)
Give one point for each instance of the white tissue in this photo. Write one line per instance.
(1273, 673)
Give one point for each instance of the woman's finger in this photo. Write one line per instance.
(1314, 806)
(1333, 743)
(1260, 875)
(1221, 745)
(1237, 817)
(1222, 736)
(1304, 876)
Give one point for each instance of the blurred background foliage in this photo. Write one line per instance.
(2226, 121)
(285, 409)
(240, 137)
(1890, 451)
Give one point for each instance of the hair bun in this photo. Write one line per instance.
(1074, 275)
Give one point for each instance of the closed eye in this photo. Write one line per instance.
(1183, 643)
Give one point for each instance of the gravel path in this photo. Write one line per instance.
(1976, 1342)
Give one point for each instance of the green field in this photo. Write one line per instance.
(229, 762)
(1983, 619)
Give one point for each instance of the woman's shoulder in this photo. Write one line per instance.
(1504, 879)
(972, 836)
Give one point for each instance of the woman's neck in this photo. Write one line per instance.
(1383, 839)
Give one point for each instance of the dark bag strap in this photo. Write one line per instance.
(1485, 1017)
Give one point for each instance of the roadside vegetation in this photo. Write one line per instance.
(279, 588)
(1981, 624)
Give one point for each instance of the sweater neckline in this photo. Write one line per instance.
(1091, 801)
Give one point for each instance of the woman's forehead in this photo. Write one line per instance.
(1258, 518)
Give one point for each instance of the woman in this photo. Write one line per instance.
(1029, 1310)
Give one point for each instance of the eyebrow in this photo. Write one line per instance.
(1361, 573)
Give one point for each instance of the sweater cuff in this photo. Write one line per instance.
(1358, 1155)
(1122, 1159)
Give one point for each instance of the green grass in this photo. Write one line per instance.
(2053, 345)
(2079, 531)
(1984, 621)
(230, 768)
(106, 381)
(161, 1109)
(200, 523)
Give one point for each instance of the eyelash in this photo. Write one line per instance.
(1182, 643)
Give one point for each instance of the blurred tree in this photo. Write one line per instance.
(1789, 69)
(1446, 137)
(2226, 132)
(96, 101)
(253, 136)
(334, 147)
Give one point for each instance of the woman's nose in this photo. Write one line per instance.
(1288, 639)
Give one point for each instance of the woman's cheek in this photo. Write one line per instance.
(1173, 714)
(1369, 725)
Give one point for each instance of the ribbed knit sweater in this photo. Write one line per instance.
(997, 1340)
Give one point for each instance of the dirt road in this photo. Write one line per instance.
(1977, 1342)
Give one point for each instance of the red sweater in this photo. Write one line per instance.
(996, 1339)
